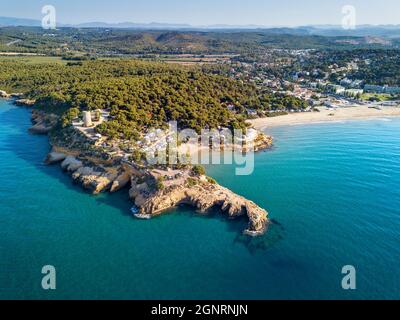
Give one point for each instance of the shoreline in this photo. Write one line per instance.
(325, 116)
(152, 191)
(97, 175)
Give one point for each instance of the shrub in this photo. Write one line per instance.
(68, 116)
(198, 170)
(160, 184)
(211, 180)
(191, 182)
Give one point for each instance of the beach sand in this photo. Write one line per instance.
(341, 114)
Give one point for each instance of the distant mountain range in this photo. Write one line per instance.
(21, 22)
(388, 31)
(8, 21)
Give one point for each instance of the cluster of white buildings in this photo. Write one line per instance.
(353, 88)
(338, 89)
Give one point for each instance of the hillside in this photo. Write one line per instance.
(103, 41)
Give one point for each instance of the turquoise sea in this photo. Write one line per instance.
(331, 189)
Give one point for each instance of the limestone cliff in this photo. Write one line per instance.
(43, 122)
(153, 190)
(203, 196)
(196, 191)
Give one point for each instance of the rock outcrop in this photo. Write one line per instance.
(43, 122)
(92, 177)
(121, 181)
(71, 164)
(4, 94)
(55, 157)
(263, 142)
(17, 95)
(25, 102)
(204, 196)
(92, 180)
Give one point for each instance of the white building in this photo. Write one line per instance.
(336, 89)
(354, 92)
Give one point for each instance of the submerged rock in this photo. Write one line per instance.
(97, 183)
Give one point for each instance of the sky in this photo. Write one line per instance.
(208, 12)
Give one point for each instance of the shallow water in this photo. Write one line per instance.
(331, 189)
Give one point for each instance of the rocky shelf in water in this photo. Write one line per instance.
(18, 98)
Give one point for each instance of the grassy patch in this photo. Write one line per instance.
(376, 96)
(33, 59)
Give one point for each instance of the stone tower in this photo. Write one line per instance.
(87, 119)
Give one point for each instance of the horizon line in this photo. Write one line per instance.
(204, 26)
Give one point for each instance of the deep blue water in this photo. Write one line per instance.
(332, 190)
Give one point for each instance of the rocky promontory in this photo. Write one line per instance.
(204, 196)
(153, 189)
(152, 198)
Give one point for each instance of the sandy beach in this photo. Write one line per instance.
(341, 114)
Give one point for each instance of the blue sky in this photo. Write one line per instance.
(206, 12)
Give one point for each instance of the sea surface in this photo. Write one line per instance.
(332, 191)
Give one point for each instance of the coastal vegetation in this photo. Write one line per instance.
(140, 94)
(198, 170)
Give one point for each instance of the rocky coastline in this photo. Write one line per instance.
(43, 122)
(200, 192)
(98, 174)
(203, 196)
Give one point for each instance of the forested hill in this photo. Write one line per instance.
(138, 94)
